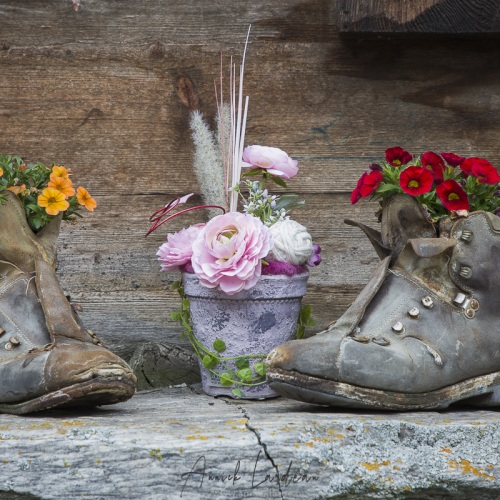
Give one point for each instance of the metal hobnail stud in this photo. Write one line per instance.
(398, 327)
(14, 341)
(465, 272)
(8, 346)
(414, 312)
(466, 235)
(474, 304)
(427, 302)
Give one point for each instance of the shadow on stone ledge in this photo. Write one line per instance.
(159, 365)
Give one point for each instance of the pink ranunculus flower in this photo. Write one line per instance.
(274, 160)
(228, 251)
(178, 249)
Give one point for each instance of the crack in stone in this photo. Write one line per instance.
(264, 448)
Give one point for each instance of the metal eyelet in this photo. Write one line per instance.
(469, 313)
(362, 339)
(380, 341)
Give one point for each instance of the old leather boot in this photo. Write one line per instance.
(423, 334)
(47, 358)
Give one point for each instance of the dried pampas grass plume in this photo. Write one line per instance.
(208, 163)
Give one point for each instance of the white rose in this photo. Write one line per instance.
(292, 243)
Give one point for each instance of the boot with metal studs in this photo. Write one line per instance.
(47, 358)
(423, 334)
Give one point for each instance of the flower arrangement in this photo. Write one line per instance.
(444, 184)
(253, 236)
(44, 191)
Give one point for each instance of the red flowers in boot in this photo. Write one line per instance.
(416, 180)
(485, 172)
(452, 196)
(397, 156)
(367, 184)
(441, 183)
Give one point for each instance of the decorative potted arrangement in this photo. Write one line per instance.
(243, 272)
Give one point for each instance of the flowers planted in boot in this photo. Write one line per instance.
(425, 332)
(47, 358)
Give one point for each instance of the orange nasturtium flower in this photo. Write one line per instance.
(17, 189)
(60, 171)
(53, 201)
(62, 184)
(1, 171)
(84, 198)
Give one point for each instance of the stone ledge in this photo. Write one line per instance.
(176, 443)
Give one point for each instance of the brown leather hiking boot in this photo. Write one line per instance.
(423, 334)
(47, 358)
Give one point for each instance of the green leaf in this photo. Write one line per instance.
(242, 363)
(260, 368)
(384, 188)
(238, 393)
(285, 200)
(219, 345)
(254, 171)
(301, 330)
(175, 316)
(225, 380)
(209, 361)
(245, 374)
(279, 181)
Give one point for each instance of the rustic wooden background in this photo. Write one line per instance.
(94, 88)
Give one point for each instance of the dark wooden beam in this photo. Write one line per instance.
(452, 17)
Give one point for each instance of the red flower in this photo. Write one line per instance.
(415, 180)
(453, 159)
(485, 171)
(452, 195)
(367, 184)
(397, 156)
(433, 162)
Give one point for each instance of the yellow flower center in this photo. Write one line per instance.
(453, 196)
(413, 184)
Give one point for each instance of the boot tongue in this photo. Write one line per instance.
(403, 219)
(48, 237)
(430, 247)
(426, 260)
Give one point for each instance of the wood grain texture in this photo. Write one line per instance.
(464, 17)
(96, 90)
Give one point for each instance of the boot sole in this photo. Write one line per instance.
(483, 391)
(95, 392)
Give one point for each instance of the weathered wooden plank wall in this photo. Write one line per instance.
(95, 90)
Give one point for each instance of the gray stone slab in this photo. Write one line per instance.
(177, 443)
